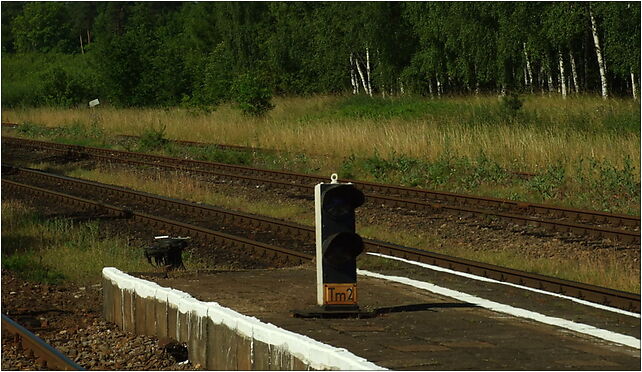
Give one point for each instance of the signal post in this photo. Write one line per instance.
(337, 248)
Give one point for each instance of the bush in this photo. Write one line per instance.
(36, 79)
(152, 139)
(251, 95)
(60, 88)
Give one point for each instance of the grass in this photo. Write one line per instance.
(585, 152)
(586, 267)
(61, 249)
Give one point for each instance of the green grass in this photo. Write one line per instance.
(53, 250)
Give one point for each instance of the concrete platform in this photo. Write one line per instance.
(417, 330)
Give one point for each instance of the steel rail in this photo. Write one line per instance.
(46, 354)
(368, 187)
(261, 249)
(605, 296)
(431, 203)
(559, 226)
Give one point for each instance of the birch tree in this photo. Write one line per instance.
(600, 56)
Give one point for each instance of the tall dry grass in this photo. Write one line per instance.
(573, 129)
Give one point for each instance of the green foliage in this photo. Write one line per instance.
(36, 79)
(152, 139)
(81, 133)
(548, 184)
(60, 88)
(193, 53)
(213, 79)
(609, 186)
(43, 27)
(51, 250)
(29, 266)
(32, 130)
(251, 95)
(216, 154)
(484, 171)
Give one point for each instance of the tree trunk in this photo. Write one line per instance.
(549, 75)
(438, 86)
(528, 68)
(363, 79)
(430, 88)
(634, 88)
(88, 37)
(562, 75)
(353, 76)
(574, 72)
(541, 78)
(82, 50)
(368, 71)
(600, 58)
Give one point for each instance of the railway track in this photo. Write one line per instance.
(301, 233)
(593, 224)
(47, 356)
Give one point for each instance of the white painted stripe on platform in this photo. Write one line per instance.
(514, 311)
(483, 279)
(316, 354)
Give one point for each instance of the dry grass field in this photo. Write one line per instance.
(578, 146)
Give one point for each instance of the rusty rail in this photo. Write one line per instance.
(216, 237)
(45, 353)
(605, 296)
(507, 210)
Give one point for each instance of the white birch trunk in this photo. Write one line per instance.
(82, 50)
(438, 86)
(363, 80)
(353, 76)
(432, 95)
(634, 88)
(600, 58)
(551, 88)
(401, 90)
(576, 85)
(528, 67)
(562, 75)
(368, 71)
(542, 73)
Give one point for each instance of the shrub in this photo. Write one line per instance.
(152, 139)
(251, 95)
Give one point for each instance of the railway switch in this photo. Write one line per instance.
(337, 244)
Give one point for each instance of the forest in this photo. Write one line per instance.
(200, 54)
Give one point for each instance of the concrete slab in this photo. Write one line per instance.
(161, 315)
(417, 329)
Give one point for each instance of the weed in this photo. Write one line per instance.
(377, 167)
(484, 170)
(348, 167)
(548, 183)
(152, 138)
(52, 250)
(32, 130)
(30, 267)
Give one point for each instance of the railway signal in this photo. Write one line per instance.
(337, 244)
